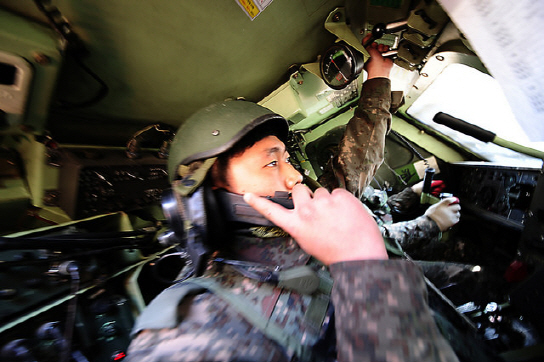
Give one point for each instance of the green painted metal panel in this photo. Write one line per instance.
(163, 60)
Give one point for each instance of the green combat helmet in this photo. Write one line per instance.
(210, 132)
(190, 206)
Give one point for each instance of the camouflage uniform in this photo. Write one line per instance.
(384, 315)
(380, 306)
(360, 154)
(361, 150)
(210, 325)
(381, 316)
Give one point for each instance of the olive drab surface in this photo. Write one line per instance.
(113, 114)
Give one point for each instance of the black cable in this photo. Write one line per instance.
(395, 174)
(407, 144)
(100, 94)
(75, 47)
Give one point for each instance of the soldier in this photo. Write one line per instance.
(361, 152)
(261, 297)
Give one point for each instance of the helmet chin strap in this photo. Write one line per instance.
(188, 217)
(302, 279)
(235, 209)
(190, 211)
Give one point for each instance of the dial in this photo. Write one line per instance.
(340, 65)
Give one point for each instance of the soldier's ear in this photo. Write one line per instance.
(219, 175)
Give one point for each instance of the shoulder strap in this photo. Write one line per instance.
(264, 324)
(162, 312)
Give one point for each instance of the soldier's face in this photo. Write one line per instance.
(262, 169)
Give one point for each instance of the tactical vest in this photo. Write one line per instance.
(162, 312)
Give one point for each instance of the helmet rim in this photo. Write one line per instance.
(215, 129)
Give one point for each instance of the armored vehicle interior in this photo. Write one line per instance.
(92, 93)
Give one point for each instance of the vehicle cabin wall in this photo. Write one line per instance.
(164, 60)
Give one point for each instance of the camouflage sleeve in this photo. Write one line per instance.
(412, 234)
(404, 202)
(209, 330)
(382, 313)
(361, 150)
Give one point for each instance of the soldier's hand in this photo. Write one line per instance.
(332, 227)
(445, 213)
(377, 66)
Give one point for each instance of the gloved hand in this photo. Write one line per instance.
(445, 213)
(437, 186)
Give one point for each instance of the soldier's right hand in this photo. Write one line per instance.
(445, 213)
(377, 66)
(333, 227)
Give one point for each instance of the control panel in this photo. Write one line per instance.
(70, 293)
(93, 326)
(98, 181)
(502, 194)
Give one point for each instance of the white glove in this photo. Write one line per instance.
(446, 213)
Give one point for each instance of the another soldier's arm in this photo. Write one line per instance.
(418, 232)
(412, 234)
(361, 150)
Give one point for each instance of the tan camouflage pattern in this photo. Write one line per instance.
(361, 150)
(384, 315)
(360, 154)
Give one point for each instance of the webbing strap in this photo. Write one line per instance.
(163, 310)
(269, 328)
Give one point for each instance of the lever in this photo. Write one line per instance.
(379, 29)
(377, 32)
(426, 197)
(483, 134)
